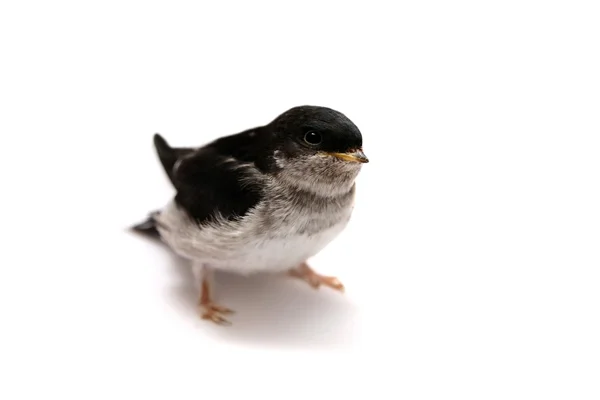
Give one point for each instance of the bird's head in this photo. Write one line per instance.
(318, 149)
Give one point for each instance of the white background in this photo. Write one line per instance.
(471, 263)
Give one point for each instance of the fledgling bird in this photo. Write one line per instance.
(263, 200)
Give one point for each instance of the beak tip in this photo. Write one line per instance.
(361, 157)
(356, 156)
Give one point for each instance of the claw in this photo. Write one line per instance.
(316, 280)
(220, 309)
(212, 312)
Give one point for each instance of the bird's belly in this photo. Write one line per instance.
(243, 248)
(273, 254)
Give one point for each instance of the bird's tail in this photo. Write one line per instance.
(148, 226)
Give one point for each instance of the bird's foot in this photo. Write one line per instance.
(209, 310)
(214, 313)
(314, 279)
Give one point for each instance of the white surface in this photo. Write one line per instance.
(472, 262)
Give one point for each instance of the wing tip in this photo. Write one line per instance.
(160, 143)
(166, 154)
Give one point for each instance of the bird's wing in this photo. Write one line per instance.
(168, 155)
(210, 180)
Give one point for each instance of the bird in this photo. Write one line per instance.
(266, 199)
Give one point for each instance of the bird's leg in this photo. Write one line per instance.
(206, 307)
(303, 271)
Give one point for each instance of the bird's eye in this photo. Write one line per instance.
(312, 138)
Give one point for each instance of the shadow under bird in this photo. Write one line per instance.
(263, 200)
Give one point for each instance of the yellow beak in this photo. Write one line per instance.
(352, 156)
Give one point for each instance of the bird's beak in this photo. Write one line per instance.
(352, 156)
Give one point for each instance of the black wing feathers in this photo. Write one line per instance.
(207, 183)
(209, 180)
(168, 155)
(254, 146)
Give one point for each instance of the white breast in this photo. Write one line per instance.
(276, 253)
(275, 236)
